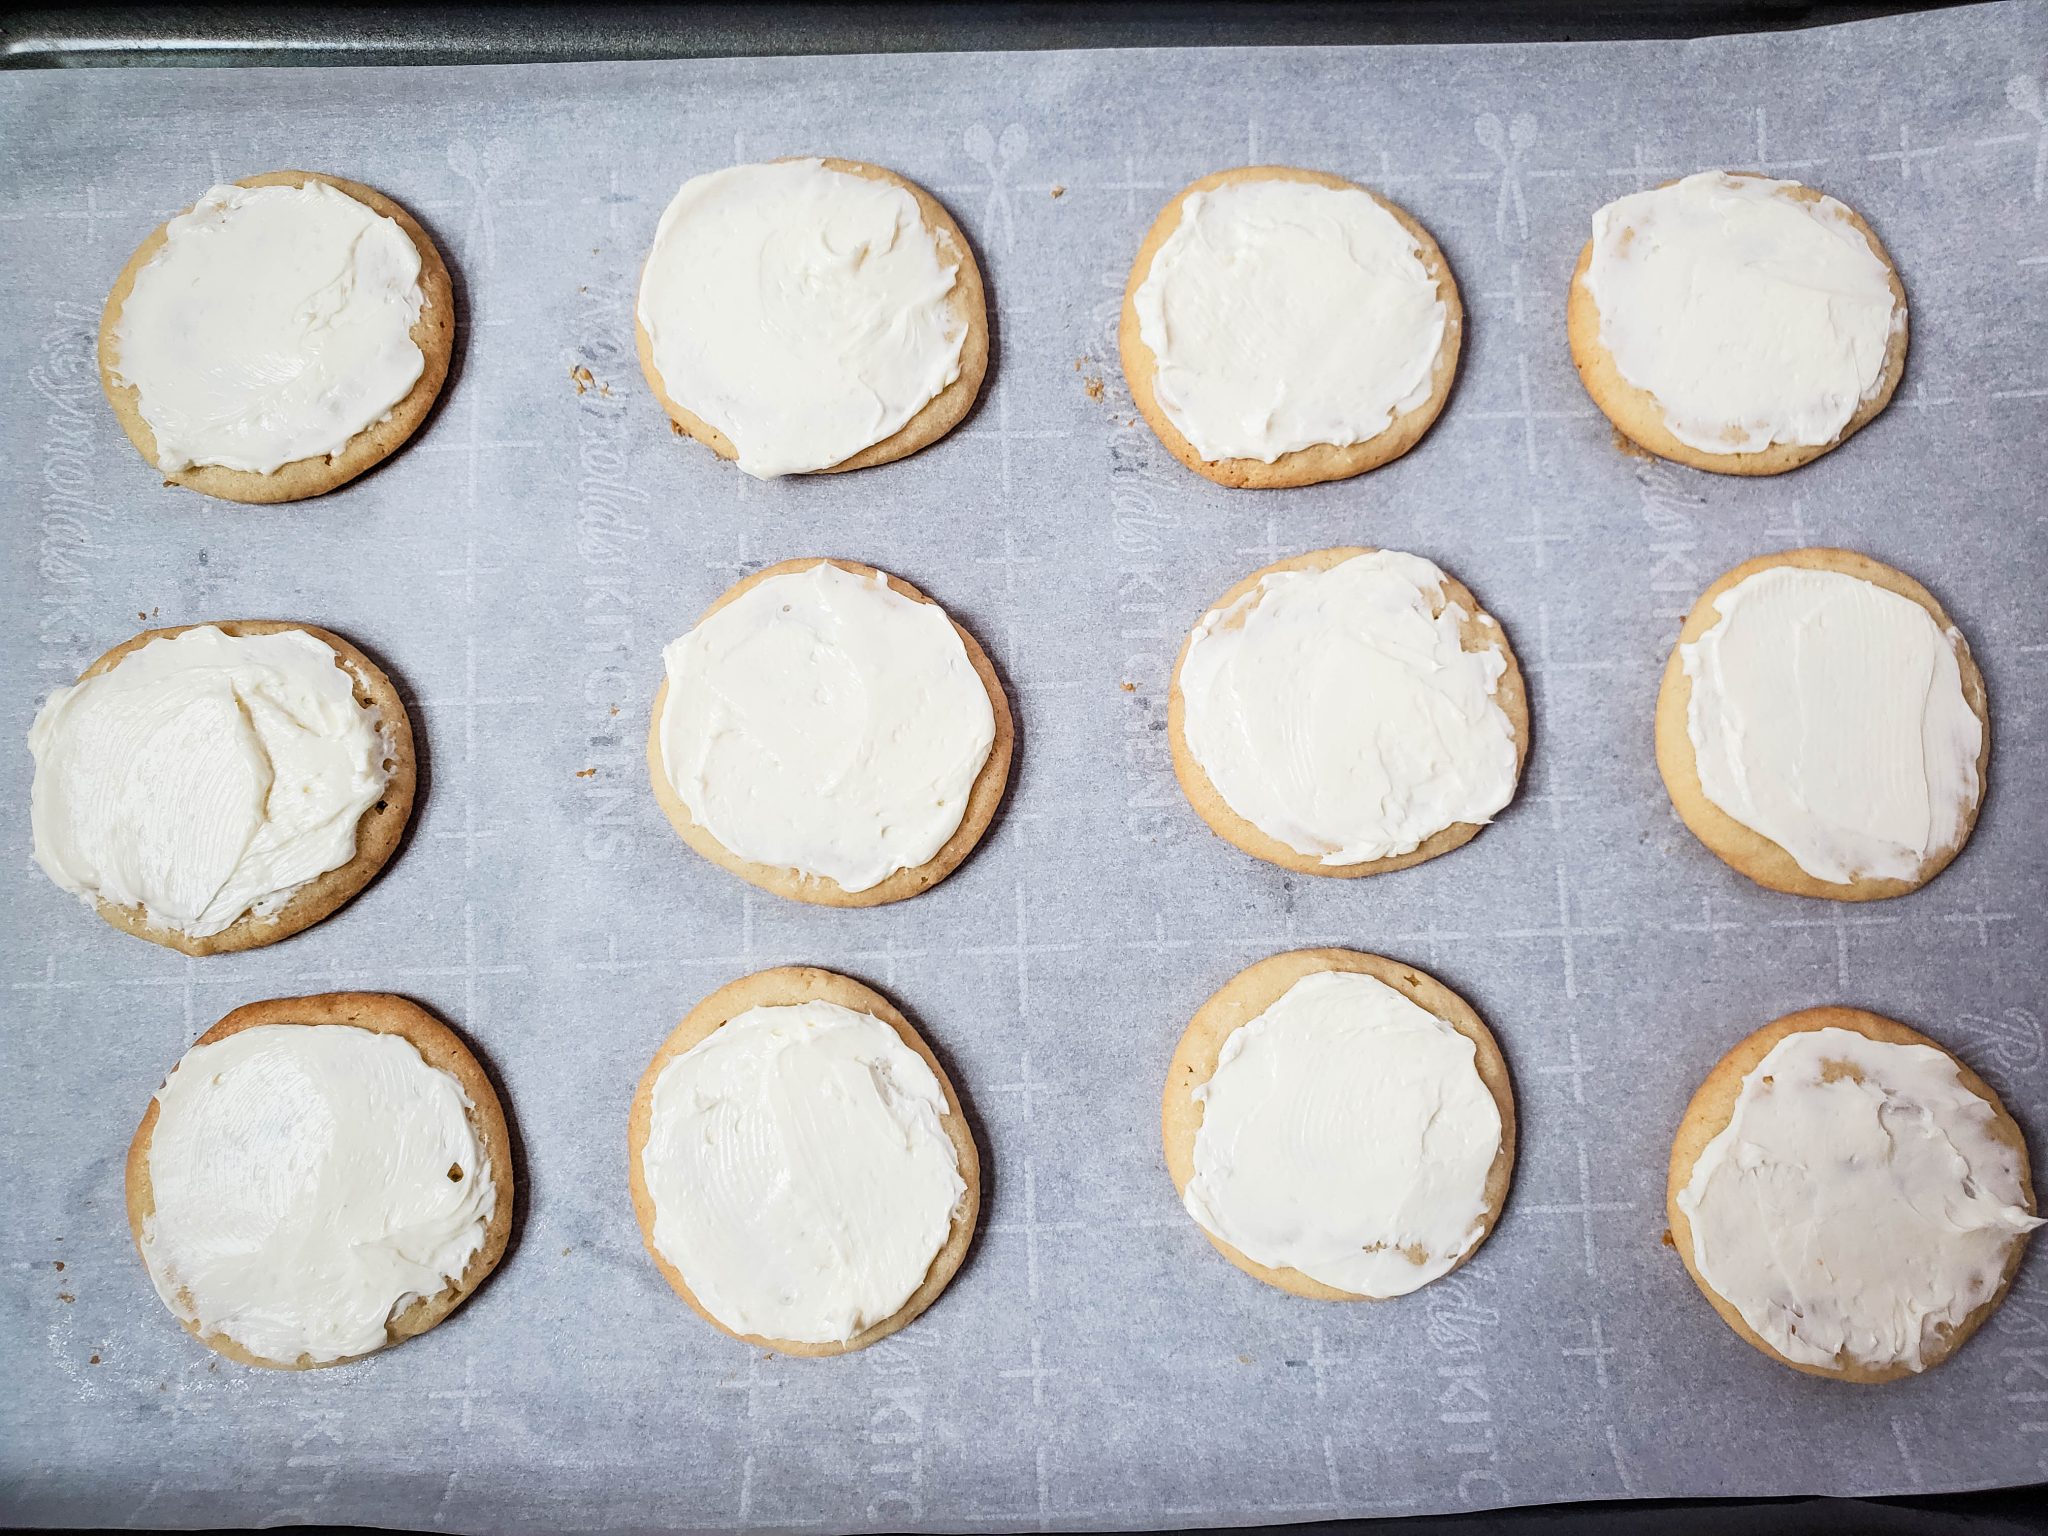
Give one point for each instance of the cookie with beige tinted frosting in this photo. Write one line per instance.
(1709, 1114)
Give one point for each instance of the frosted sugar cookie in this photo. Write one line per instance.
(1851, 1198)
(320, 1177)
(219, 787)
(285, 334)
(1822, 727)
(1735, 323)
(1340, 1125)
(1285, 327)
(811, 315)
(1347, 712)
(800, 1167)
(827, 733)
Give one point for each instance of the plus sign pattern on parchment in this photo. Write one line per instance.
(518, 568)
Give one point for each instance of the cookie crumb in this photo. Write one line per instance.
(1058, 191)
(615, 709)
(565, 1253)
(582, 378)
(586, 773)
(94, 1360)
(1628, 447)
(1128, 687)
(60, 1265)
(66, 1297)
(1244, 1359)
(1094, 388)
(1668, 1243)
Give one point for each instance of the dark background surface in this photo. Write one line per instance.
(225, 36)
(57, 36)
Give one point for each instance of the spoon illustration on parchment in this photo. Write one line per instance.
(480, 170)
(997, 156)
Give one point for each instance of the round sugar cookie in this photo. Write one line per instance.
(1709, 1113)
(1479, 631)
(1743, 848)
(379, 1013)
(782, 987)
(1636, 413)
(1249, 994)
(822, 890)
(1318, 462)
(433, 333)
(379, 830)
(939, 415)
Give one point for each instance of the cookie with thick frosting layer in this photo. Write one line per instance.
(379, 829)
(240, 1152)
(826, 743)
(1866, 1170)
(1826, 658)
(964, 301)
(1754, 308)
(1322, 1127)
(1413, 325)
(903, 1118)
(1501, 729)
(432, 333)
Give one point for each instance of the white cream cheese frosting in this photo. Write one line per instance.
(273, 325)
(1347, 1134)
(1828, 714)
(801, 1177)
(800, 310)
(1340, 715)
(1857, 1202)
(1753, 317)
(310, 1182)
(825, 723)
(1283, 314)
(204, 776)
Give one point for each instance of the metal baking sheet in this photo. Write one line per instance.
(520, 565)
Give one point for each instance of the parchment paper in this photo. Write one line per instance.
(520, 565)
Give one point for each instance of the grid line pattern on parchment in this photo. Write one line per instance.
(519, 567)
